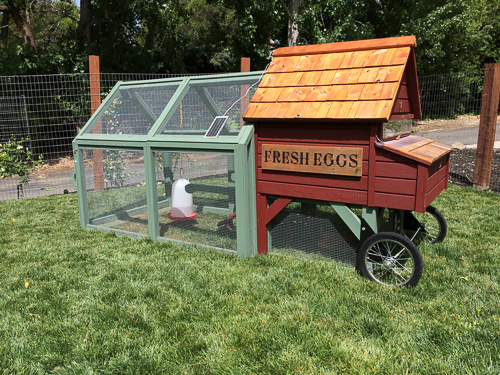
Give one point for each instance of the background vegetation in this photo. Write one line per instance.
(76, 301)
(193, 36)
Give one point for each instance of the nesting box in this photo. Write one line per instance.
(326, 123)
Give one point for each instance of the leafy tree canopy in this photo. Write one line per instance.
(191, 36)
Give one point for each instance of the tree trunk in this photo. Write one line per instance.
(4, 32)
(85, 23)
(23, 25)
(293, 27)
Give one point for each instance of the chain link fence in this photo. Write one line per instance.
(46, 112)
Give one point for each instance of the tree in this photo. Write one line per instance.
(292, 11)
(15, 12)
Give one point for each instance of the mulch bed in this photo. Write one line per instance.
(462, 165)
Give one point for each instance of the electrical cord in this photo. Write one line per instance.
(258, 81)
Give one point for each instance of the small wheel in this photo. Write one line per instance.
(433, 226)
(391, 259)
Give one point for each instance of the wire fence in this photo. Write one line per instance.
(45, 113)
(451, 110)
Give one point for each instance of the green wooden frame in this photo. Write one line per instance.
(239, 147)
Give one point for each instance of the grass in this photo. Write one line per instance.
(84, 302)
(204, 231)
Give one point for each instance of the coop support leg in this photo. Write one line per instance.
(80, 187)
(371, 216)
(349, 218)
(151, 194)
(396, 220)
(262, 237)
(264, 216)
(244, 190)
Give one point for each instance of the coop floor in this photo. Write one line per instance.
(203, 230)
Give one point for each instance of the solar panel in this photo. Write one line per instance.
(216, 127)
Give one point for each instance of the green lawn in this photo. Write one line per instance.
(83, 302)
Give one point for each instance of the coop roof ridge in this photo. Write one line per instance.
(358, 45)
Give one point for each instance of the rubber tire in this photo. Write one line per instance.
(441, 222)
(391, 237)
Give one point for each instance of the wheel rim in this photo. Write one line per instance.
(390, 262)
(431, 228)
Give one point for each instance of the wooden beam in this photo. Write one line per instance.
(245, 67)
(95, 101)
(277, 206)
(487, 126)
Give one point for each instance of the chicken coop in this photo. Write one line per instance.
(324, 164)
(171, 160)
(338, 172)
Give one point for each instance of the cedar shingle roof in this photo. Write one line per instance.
(336, 81)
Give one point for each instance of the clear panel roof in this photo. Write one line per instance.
(184, 106)
(203, 102)
(133, 109)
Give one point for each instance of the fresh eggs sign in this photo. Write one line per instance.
(344, 161)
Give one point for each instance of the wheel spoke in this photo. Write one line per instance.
(391, 259)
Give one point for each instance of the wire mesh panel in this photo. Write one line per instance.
(202, 104)
(121, 202)
(134, 110)
(203, 210)
(313, 230)
(13, 118)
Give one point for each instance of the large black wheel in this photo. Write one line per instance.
(391, 259)
(433, 227)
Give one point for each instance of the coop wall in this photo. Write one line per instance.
(388, 180)
(115, 190)
(395, 180)
(347, 189)
(212, 185)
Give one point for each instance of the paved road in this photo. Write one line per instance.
(466, 136)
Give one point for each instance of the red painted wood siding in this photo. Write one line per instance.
(389, 180)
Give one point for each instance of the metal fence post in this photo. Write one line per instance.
(487, 127)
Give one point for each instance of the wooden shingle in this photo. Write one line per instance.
(352, 81)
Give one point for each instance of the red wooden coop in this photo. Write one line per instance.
(321, 115)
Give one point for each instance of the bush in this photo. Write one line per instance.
(15, 160)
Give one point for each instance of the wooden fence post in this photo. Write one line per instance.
(487, 126)
(245, 67)
(95, 101)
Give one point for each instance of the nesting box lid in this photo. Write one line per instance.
(422, 150)
(366, 80)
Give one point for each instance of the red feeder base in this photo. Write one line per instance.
(180, 218)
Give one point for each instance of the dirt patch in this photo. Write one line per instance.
(422, 126)
(59, 165)
(462, 164)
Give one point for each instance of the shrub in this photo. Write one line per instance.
(16, 160)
